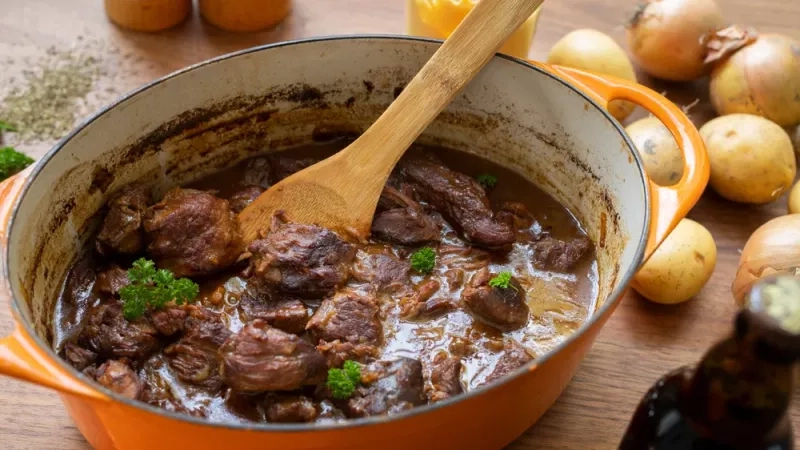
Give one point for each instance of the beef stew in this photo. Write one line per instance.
(513, 276)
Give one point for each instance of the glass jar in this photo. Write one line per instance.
(438, 18)
(245, 15)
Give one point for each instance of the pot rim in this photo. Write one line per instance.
(613, 298)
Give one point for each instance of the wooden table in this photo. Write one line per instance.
(640, 342)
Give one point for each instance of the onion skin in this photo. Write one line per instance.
(666, 37)
(794, 199)
(663, 160)
(593, 51)
(772, 249)
(752, 160)
(762, 78)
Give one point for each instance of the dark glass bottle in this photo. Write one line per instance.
(738, 396)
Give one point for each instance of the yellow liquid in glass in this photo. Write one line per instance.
(438, 18)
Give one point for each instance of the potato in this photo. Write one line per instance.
(663, 160)
(752, 160)
(593, 51)
(680, 267)
(794, 199)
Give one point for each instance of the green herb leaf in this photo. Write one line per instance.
(502, 281)
(487, 181)
(12, 162)
(5, 126)
(423, 260)
(343, 382)
(153, 289)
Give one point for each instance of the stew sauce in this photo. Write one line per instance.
(271, 319)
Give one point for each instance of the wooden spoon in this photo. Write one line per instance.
(341, 192)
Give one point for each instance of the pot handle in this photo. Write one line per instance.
(669, 204)
(20, 355)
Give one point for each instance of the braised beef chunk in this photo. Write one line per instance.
(303, 260)
(459, 198)
(77, 298)
(348, 317)
(170, 320)
(262, 358)
(287, 314)
(257, 172)
(445, 377)
(337, 352)
(405, 224)
(513, 357)
(120, 378)
(283, 166)
(108, 334)
(515, 215)
(111, 280)
(192, 233)
(79, 357)
(424, 302)
(242, 199)
(502, 308)
(194, 357)
(289, 409)
(385, 272)
(560, 256)
(121, 231)
(388, 387)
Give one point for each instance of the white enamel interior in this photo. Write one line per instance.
(511, 113)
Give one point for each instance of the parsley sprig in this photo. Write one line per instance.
(502, 281)
(342, 382)
(12, 162)
(487, 181)
(423, 260)
(153, 289)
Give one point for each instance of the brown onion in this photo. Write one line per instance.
(794, 199)
(666, 37)
(763, 78)
(774, 248)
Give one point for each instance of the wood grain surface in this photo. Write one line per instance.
(640, 342)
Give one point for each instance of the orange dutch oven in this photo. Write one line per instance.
(547, 123)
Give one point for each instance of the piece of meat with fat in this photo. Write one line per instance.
(79, 357)
(287, 408)
(459, 198)
(120, 378)
(192, 233)
(387, 387)
(347, 318)
(287, 314)
(514, 356)
(516, 216)
(283, 166)
(110, 335)
(262, 358)
(111, 280)
(405, 224)
(384, 272)
(170, 320)
(424, 302)
(243, 198)
(257, 172)
(122, 231)
(558, 255)
(194, 358)
(445, 378)
(302, 260)
(501, 308)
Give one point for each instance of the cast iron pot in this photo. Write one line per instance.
(547, 123)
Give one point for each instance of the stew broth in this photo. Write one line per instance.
(558, 300)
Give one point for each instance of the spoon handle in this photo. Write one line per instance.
(470, 47)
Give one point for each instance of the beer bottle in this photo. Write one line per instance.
(738, 396)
